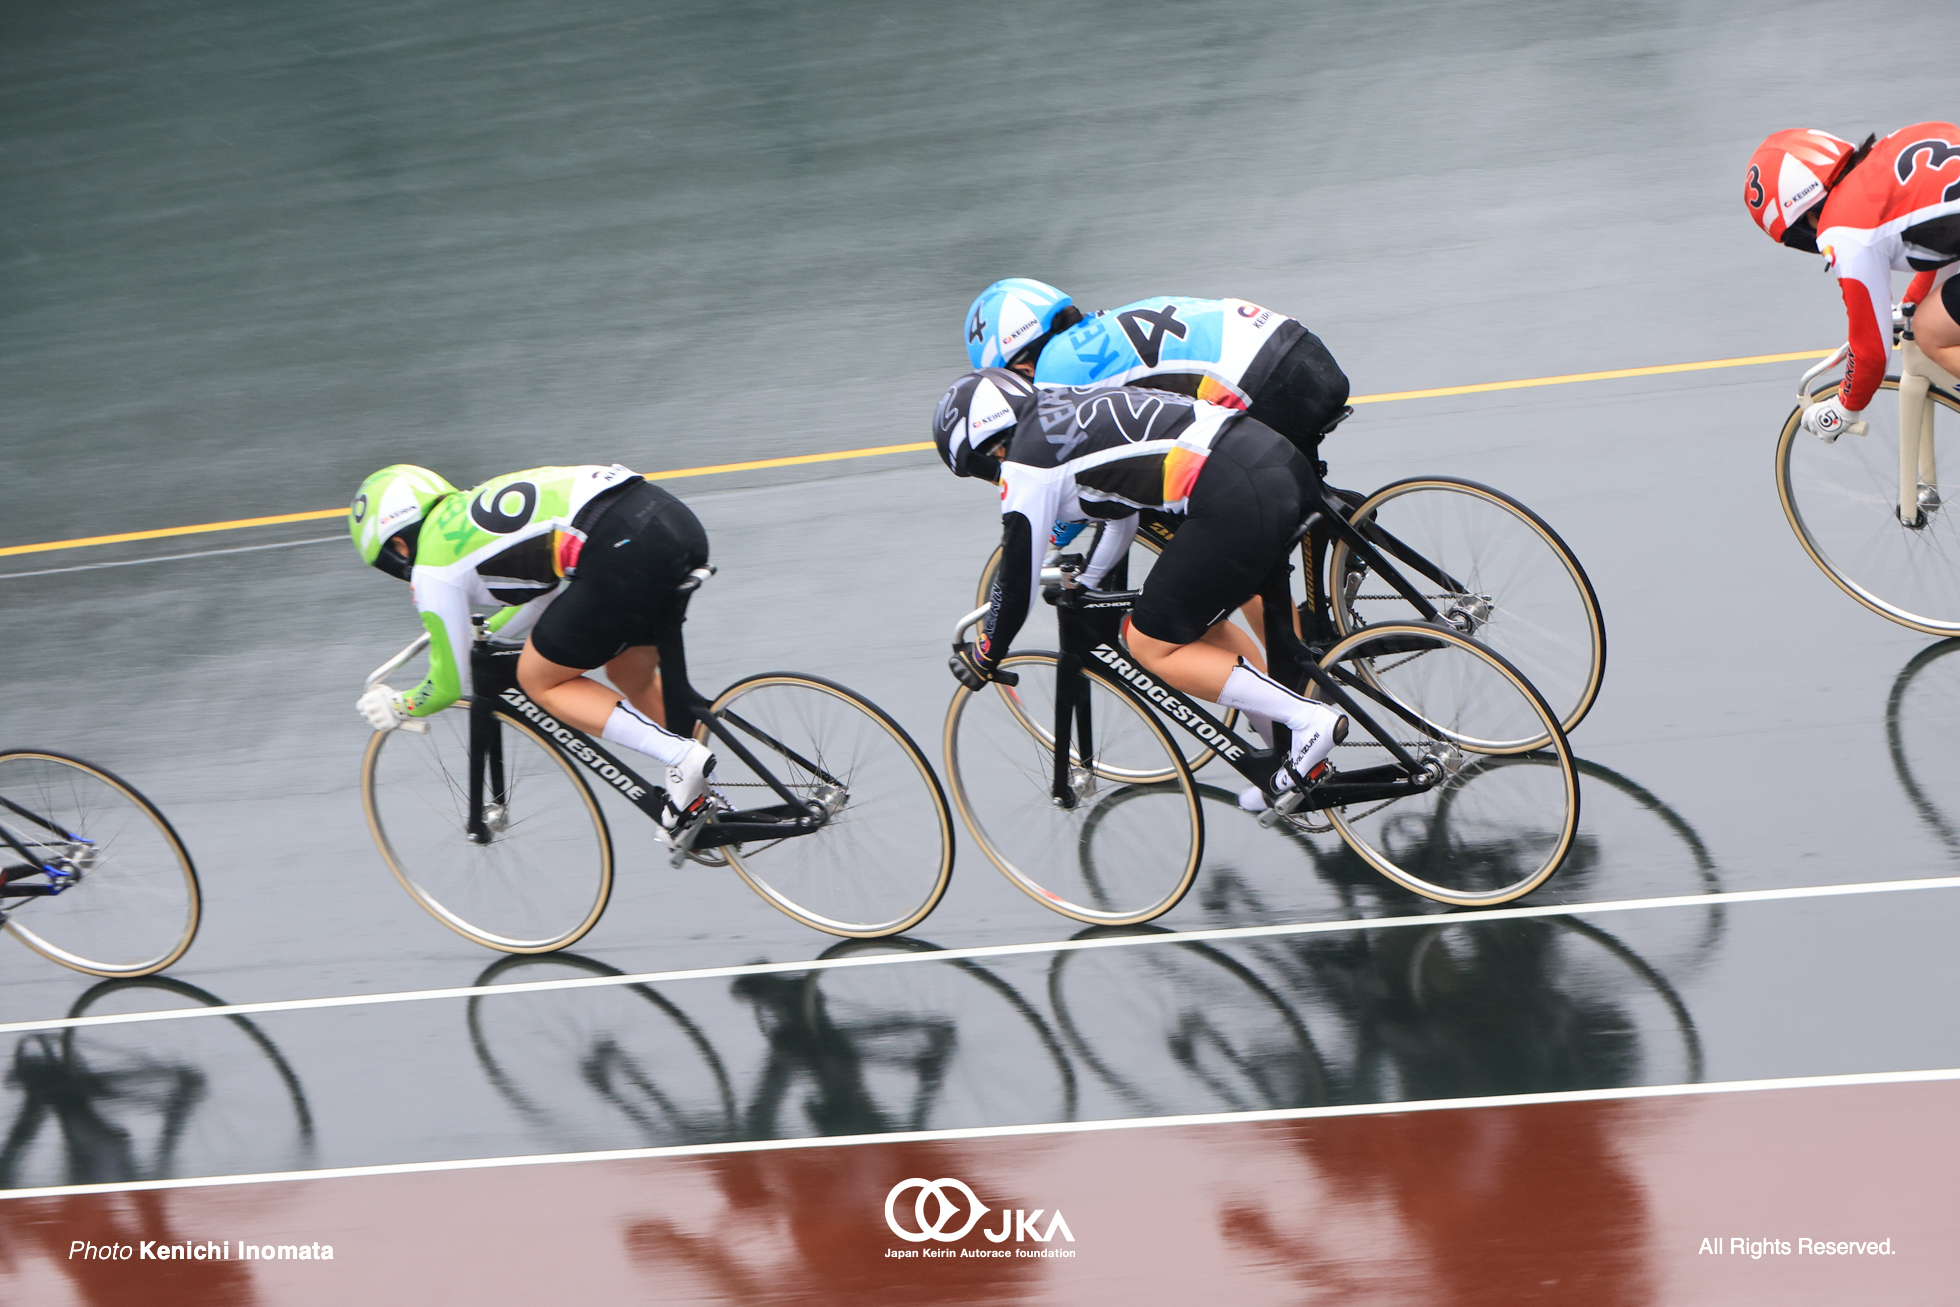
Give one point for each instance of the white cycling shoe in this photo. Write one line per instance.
(687, 780)
(1312, 743)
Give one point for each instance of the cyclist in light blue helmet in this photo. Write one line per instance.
(1013, 318)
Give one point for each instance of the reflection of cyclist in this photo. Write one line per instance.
(1872, 209)
(1114, 450)
(587, 560)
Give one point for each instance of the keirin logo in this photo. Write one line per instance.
(934, 1227)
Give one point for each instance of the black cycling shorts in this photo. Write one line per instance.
(1306, 391)
(1250, 497)
(625, 588)
(1950, 296)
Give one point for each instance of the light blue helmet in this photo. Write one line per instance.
(1009, 316)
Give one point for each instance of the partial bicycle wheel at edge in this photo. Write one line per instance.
(545, 874)
(135, 904)
(1842, 501)
(883, 860)
(1525, 595)
(1495, 826)
(1128, 848)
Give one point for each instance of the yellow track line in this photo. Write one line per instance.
(795, 460)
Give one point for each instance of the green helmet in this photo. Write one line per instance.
(392, 503)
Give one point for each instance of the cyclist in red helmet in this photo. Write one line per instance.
(1869, 209)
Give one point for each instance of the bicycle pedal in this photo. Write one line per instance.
(684, 834)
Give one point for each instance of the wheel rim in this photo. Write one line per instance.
(545, 876)
(1127, 851)
(1841, 499)
(1498, 825)
(1527, 598)
(134, 905)
(883, 859)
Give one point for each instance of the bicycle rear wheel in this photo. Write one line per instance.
(1498, 823)
(1129, 848)
(885, 857)
(1842, 500)
(545, 874)
(131, 905)
(1523, 592)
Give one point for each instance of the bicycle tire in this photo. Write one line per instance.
(1496, 827)
(1000, 776)
(137, 904)
(1531, 600)
(1842, 501)
(883, 861)
(546, 875)
(1145, 546)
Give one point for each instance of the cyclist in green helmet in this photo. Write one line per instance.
(584, 563)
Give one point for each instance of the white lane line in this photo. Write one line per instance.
(998, 951)
(170, 558)
(1632, 1092)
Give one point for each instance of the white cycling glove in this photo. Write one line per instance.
(1828, 419)
(385, 710)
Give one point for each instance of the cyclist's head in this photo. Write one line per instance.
(975, 417)
(1788, 176)
(1013, 318)
(390, 504)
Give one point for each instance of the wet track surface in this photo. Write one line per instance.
(283, 247)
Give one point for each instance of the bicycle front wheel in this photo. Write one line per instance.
(543, 875)
(1520, 591)
(1495, 825)
(1127, 848)
(130, 904)
(885, 856)
(1842, 500)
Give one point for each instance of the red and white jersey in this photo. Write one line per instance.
(1899, 210)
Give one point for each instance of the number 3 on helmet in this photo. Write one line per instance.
(1788, 176)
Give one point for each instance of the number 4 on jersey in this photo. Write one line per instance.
(1147, 328)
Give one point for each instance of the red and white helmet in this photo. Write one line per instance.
(1789, 175)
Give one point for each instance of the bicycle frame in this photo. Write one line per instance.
(1918, 375)
(59, 877)
(495, 693)
(1090, 622)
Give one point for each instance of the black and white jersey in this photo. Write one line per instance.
(1111, 449)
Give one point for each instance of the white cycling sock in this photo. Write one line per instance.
(1262, 726)
(626, 726)
(1250, 690)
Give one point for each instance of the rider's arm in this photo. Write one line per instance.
(1917, 288)
(1028, 496)
(1865, 279)
(445, 608)
(1110, 549)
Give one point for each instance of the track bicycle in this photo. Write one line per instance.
(823, 805)
(1867, 507)
(98, 879)
(1068, 775)
(1478, 558)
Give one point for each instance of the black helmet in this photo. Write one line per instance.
(976, 416)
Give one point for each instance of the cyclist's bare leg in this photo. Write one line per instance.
(1199, 668)
(1936, 332)
(571, 696)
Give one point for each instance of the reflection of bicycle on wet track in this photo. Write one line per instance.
(1422, 786)
(91, 874)
(490, 822)
(854, 1050)
(149, 1101)
(1922, 733)
(1868, 507)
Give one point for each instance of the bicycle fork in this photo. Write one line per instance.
(1071, 783)
(1918, 474)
